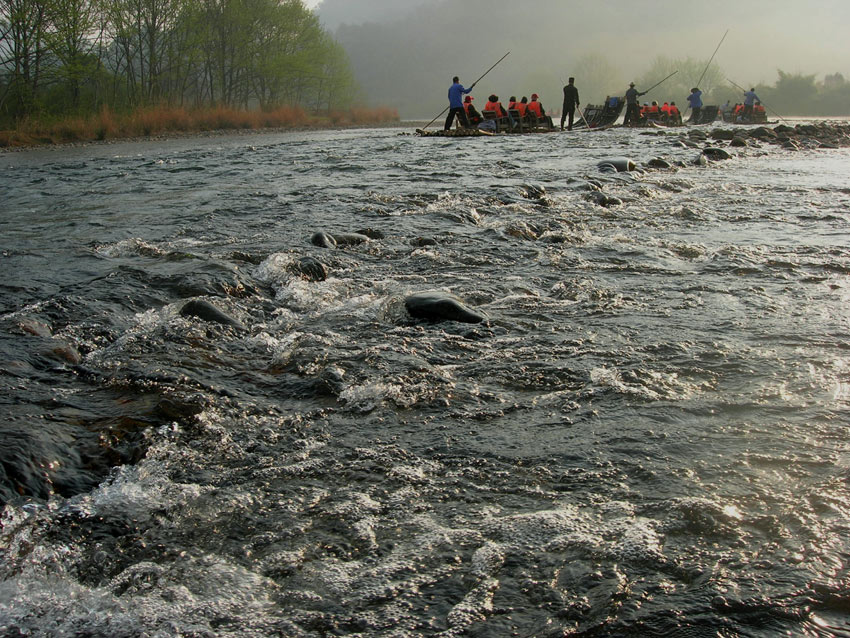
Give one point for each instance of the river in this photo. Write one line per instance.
(647, 436)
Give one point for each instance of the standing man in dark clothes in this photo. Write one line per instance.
(632, 106)
(570, 103)
(456, 92)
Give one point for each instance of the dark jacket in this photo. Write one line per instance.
(570, 97)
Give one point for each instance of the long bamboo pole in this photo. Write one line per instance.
(762, 101)
(664, 80)
(711, 59)
(471, 86)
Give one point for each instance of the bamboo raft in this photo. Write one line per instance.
(457, 132)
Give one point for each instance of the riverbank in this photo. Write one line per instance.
(170, 123)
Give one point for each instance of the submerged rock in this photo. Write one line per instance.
(657, 162)
(619, 164)
(602, 199)
(310, 268)
(326, 240)
(440, 306)
(714, 153)
(207, 312)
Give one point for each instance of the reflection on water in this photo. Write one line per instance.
(646, 437)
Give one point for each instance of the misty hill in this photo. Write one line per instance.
(405, 52)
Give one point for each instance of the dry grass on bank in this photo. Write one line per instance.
(158, 121)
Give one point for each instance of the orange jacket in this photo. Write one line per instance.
(535, 107)
(495, 107)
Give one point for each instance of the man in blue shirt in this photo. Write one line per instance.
(456, 92)
(695, 100)
(750, 98)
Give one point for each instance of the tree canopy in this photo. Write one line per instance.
(75, 56)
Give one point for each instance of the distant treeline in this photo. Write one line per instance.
(73, 57)
(791, 94)
(798, 94)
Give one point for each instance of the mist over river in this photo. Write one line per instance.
(647, 436)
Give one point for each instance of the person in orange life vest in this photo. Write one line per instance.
(512, 103)
(739, 110)
(758, 108)
(536, 107)
(494, 105)
(665, 112)
(472, 114)
(675, 115)
(522, 106)
(653, 109)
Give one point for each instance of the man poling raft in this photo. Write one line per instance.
(456, 93)
(459, 93)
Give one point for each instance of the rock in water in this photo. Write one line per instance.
(714, 153)
(310, 269)
(326, 240)
(620, 164)
(208, 312)
(440, 306)
(323, 240)
(350, 239)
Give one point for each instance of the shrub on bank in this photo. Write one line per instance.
(159, 120)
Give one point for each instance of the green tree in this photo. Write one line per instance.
(834, 97)
(73, 38)
(22, 51)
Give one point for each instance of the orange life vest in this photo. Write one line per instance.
(534, 107)
(522, 107)
(652, 110)
(511, 105)
(665, 109)
(674, 110)
(496, 107)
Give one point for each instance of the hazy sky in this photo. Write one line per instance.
(403, 46)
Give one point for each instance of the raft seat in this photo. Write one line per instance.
(502, 123)
(520, 125)
(535, 123)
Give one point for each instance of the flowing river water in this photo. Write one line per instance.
(647, 436)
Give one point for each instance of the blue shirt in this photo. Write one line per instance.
(456, 92)
(750, 97)
(695, 100)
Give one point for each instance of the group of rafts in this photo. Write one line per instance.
(519, 118)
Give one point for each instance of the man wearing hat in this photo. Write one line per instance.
(472, 115)
(695, 102)
(632, 106)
